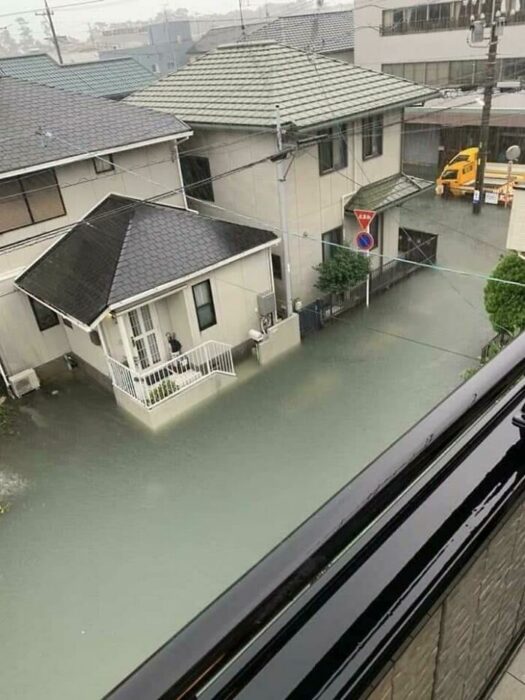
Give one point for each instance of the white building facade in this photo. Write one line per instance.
(427, 42)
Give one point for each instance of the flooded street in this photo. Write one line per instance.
(119, 537)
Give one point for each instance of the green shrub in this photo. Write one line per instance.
(342, 271)
(505, 303)
(161, 391)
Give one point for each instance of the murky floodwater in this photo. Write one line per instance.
(119, 538)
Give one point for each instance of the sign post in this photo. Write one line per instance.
(365, 241)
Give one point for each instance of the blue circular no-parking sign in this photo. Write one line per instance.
(364, 240)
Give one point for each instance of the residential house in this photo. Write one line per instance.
(103, 265)
(427, 42)
(329, 33)
(169, 293)
(342, 128)
(61, 155)
(114, 78)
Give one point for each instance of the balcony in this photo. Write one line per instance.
(158, 393)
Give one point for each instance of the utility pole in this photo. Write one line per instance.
(496, 28)
(283, 214)
(243, 26)
(49, 14)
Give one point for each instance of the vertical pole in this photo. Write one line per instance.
(509, 183)
(243, 26)
(281, 189)
(485, 115)
(53, 33)
(368, 281)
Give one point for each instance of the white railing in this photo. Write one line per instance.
(155, 384)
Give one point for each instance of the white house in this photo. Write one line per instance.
(155, 298)
(71, 162)
(342, 127)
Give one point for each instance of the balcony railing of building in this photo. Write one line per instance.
(436, 17)
(152, 386)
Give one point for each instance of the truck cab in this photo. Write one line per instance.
(459, 172)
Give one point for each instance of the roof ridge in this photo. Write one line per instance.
(125, 238)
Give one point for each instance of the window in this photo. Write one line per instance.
(45, 318)
(277, 267)
(104, 164)
(335, 236)
(29, 199)
(195, 169)
(372, 136)
(204, 307)
(333, 151)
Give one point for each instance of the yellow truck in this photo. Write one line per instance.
(459, 177)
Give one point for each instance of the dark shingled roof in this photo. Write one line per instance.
(390, 192)
(109, 78)
(124, 248)
(41, 124)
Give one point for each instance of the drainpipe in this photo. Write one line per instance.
(3, 374)
(281, 190)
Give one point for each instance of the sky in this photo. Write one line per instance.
(75, 20)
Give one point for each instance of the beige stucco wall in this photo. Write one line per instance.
(372, 50)
(22, 344)
(459, 645)
(314, 201)
(80, 344)
(235, 288)
(282, 338)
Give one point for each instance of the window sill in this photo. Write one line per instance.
(372, 156)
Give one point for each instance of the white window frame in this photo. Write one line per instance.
(146, 337)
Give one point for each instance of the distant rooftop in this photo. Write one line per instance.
(44, 125)
(240, 84)
(108, 78)
(323, 32)
(222, 35)
(508, 108)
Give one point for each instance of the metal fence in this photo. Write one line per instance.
(415, 247)
(152, 386)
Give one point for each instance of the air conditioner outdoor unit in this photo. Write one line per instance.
(24, 382)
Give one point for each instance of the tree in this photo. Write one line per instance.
(505, 303)
(8, 46)
(27, 40)
(341, 271)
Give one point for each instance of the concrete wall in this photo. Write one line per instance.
(372, 49)
(177, 405)
(282, 338)
(22, 344)
(459, 645)
(314, 201)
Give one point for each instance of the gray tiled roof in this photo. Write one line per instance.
(76, 124)
(240, 84)
(390, 192)
(116, 77)
(130, 248)
(323, 32)
(222, 35)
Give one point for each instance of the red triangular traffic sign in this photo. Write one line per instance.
(364, 217)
